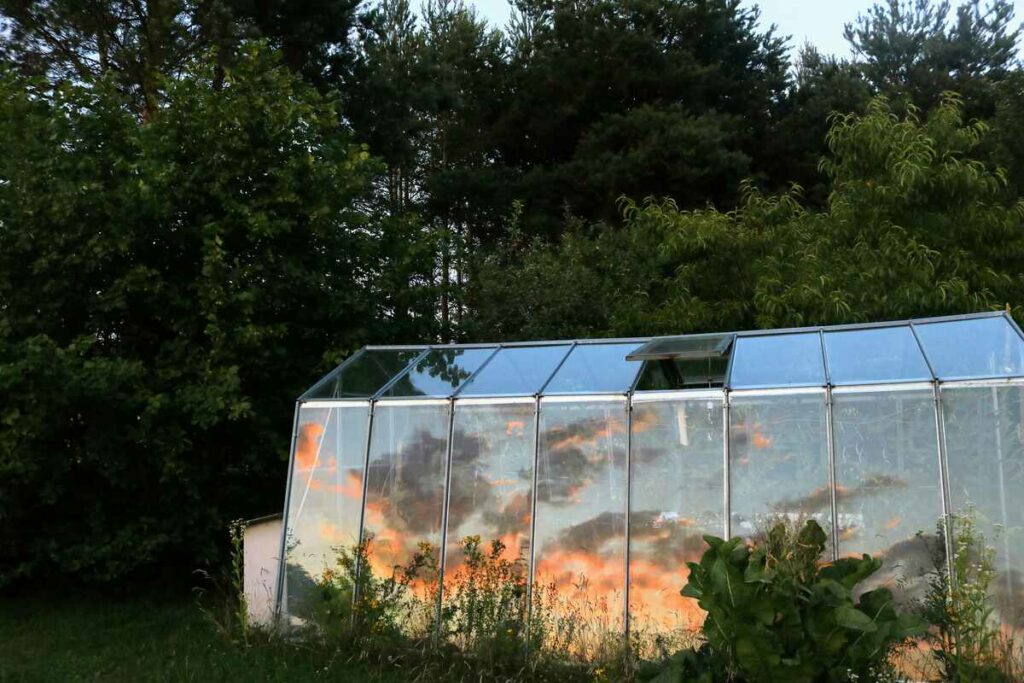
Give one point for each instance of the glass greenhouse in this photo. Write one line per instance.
(602, 463)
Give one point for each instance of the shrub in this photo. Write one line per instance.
(776, 614)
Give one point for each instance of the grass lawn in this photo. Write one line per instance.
(92, 638)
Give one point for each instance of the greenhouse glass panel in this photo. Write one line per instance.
(491, 491)
(440, 372)
(326, 496)
(778, 360)
(677, 484)
(405, 491)
(973, 348)
(364, 375)
(596, 369)
(516, 371)
(580, 536)
(778, 460)
(882, 354)
(887, 484)
(984, 428)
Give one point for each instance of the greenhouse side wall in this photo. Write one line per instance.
(553, 479)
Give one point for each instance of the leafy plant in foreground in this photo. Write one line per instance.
(775, 614)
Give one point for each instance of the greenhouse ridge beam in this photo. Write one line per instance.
(738, 333)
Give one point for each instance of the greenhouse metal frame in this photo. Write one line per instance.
(589, 454)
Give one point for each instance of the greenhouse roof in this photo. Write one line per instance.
(967, 347)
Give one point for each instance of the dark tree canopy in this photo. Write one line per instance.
(204, 204)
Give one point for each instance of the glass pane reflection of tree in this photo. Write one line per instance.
(405, 491)
(581, 512)
(778, 461)
(887, 484)
(492, 478)
(326, 495)
(677, 497)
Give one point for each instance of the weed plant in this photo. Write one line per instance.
(970, 643)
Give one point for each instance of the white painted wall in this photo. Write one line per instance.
(262, 551)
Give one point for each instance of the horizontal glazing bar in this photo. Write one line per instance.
(336, 403)
(982, 382)
(582, 398)
(493, 400)
(395, 402)
(880, 387)
(780, 391)
(696, 394)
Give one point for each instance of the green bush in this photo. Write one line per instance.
(776, 614)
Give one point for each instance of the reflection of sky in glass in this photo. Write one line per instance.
(778, 360)
(884, 354)
(778, 460)
(887, 476)
(492, 477)
(517, 370)
(581, 501)
(985, 450)
(440, 372)
(365, 375)
(677, 496)
(326, 494)
(405, 481)
(596, 368)
(983, 347)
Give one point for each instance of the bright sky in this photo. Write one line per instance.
(817, 21)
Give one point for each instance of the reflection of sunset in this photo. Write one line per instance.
(654, 597)
(308, 445)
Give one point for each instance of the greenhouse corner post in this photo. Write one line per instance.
(831, 447)
(629, 486)
(940, 438)
(727, 445)
(533, 520)
(282, 564)
(443, 546)
(362, 502)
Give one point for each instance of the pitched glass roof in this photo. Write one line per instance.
(978, 346)
(873, 355)
(439, 373)
(517, 371)
(778, 360)
(973, 348)
(596, 369)
(364, 373)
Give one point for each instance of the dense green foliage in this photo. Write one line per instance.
(915, 224)
(203, 205)
(774, 614)
(167, 290)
